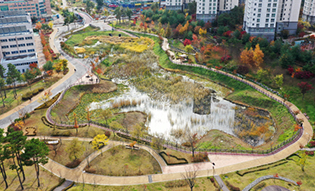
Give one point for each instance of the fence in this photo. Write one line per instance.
(177, 147)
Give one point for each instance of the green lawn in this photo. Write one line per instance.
(289, 170)
(11, 103)
(76, 39)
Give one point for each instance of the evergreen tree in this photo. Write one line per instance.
(13, 76)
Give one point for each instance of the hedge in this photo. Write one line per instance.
(164, 155)
(60, 133)
(134, 139)
(48, 103)
(47, 123)
(32, 93)
(261, 168)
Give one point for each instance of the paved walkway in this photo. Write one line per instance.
(275, 188)
(64, 185)
(221, 183)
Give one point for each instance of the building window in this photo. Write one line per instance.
(22, 38)
(13, 46)
(266, 25)
(14, 52)
(273, 15)
(268, 15)
(259, 10)
(4, 40)
(272, 20)
(22, 51)
(6, 53)
(258, 15)
(258, 20)
(30, 50)
(12, 39)
(21, 45)
(4, 47)
(267, 20)
(273, 10)
(29, 44)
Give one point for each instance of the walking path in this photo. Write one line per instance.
(255, 182)
(63, 185)
(221, 183)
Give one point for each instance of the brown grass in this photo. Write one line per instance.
(120, 161)
(62, 156)
(132, 118)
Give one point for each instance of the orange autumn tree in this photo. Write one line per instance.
(258, 56)
(38, 26)
(76, 126)
(184, 28)
(247, 57)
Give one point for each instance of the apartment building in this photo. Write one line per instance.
(17, 45)
(176, 4)
(268, 17)
(36, 8)
(309, 11)
(207, 10)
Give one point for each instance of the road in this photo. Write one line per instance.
(81, 69)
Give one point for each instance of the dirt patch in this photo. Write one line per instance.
(132, 118)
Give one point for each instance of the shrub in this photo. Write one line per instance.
(73, 164)
(201, 157)
(309, 153)
(242, 69)
(303, 75)
(90, 170)
(107, 133)
(259, 186)
(179, 160)
(177, 183)
(60, 133)
(231, 187)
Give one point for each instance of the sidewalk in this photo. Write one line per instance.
(35, 98)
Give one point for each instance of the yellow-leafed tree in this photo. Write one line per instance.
(51, 24)
(247, 57)
(99, 141)
(258, 56)
(202, 31)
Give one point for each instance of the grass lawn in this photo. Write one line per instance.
(289, 170)
(76, 39)
(11, 103)
(177, 44)
(47, 180)
(62, 156)
(43, 130)
(202, 184)
(119, 161)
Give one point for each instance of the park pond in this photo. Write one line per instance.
(200, 108)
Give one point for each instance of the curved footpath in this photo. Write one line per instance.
(230, 163)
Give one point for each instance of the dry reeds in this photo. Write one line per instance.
(125, 103)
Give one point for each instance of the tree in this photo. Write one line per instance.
(305, 87)
(89, 6)
(99, 141)
(129, 13)
(2, 85)
(202, 32)
(107, 114)
(168, 31)
(190, 176)
(157, 141)
(13, 75)
(58, 67)
(75, 149)
(100, 4)
(191, 138)
(38, 25)
(247, 57)
(189, 49)
(258, 56)
(286, 60)
(35, 153)
(192, 7)
(31, 74)
(64, 64)
(48, 66)
(2, 71)
(279, 80)
(15, 144)
(118, 13)
(3, 156)
(51, 24)
(138, 130)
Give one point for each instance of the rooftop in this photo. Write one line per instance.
(14, 29)
(11, 20)
(33, 55)
(12, 13)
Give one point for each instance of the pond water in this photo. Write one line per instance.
(166, 116)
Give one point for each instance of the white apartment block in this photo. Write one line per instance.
(309, 11)
(17, 45)
(176, 4)
(207, 10)
(267, 17)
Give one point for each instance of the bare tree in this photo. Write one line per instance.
(193, 139)
(190, 175)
